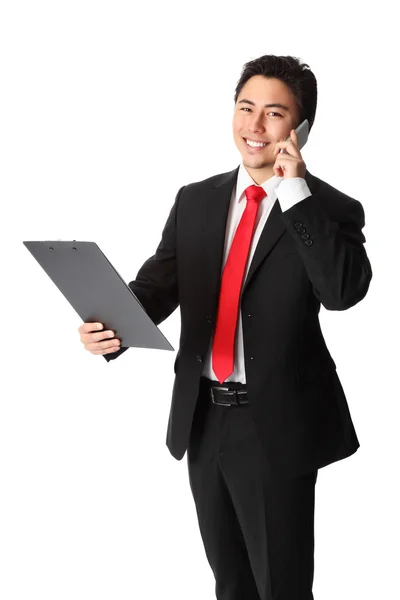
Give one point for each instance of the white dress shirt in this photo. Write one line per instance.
(290, 192)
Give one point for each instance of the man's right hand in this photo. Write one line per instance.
(102, 342)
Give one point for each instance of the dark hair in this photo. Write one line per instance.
(297, 76)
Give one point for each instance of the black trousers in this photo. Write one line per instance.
(257, 527)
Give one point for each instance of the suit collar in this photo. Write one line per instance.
(244, 180)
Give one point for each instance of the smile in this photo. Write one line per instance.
(255, 145)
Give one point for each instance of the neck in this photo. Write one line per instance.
(260, 176)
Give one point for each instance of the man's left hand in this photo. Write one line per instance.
(290, 163)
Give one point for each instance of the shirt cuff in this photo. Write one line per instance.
(293, 190)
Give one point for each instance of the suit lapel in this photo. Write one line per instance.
(273, 230)
(215, 214)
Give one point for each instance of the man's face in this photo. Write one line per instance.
(254, 121)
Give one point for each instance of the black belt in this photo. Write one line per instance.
(226, 395)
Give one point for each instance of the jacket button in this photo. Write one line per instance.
(209, 319)
(298, 224)
(199, 358)
(301, 230)
(308, 242)
(251, 357)
(305, 236)
(249, 316)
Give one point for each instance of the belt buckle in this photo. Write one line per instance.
(219, 387)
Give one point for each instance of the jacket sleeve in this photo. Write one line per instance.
(156, 283)
(332, 249)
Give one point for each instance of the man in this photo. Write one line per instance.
(250, 255)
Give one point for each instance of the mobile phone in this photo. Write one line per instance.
(302, 135)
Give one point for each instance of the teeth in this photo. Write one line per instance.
(256, 144)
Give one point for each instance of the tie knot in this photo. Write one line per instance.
(255, 193)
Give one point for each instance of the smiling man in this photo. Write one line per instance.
(249, 256)
(259, 126)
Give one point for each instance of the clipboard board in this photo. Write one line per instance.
(97, 292)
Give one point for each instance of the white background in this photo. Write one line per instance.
(107, 109)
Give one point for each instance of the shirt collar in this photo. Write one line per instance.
(244, 180)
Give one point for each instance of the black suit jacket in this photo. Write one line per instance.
(308, 255)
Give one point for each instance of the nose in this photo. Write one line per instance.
(257, 123)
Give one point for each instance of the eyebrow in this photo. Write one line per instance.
(277, 105)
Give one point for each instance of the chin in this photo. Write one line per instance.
(254, 164)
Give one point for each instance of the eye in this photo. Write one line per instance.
(270, 113)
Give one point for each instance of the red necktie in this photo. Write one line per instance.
(232, 278)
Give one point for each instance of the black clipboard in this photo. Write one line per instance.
(97, 292)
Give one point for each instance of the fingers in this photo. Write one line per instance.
(88, 327)
(285, 158)
(100, 342)
(96, 337)
(279, 172)
(104, 350)
(103, 347)
(291, 146)
(288, 146)
(281, 164)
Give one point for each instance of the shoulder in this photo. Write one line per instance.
(211, 182)
(337, 203)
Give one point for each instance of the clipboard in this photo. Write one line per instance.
(97, 292)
